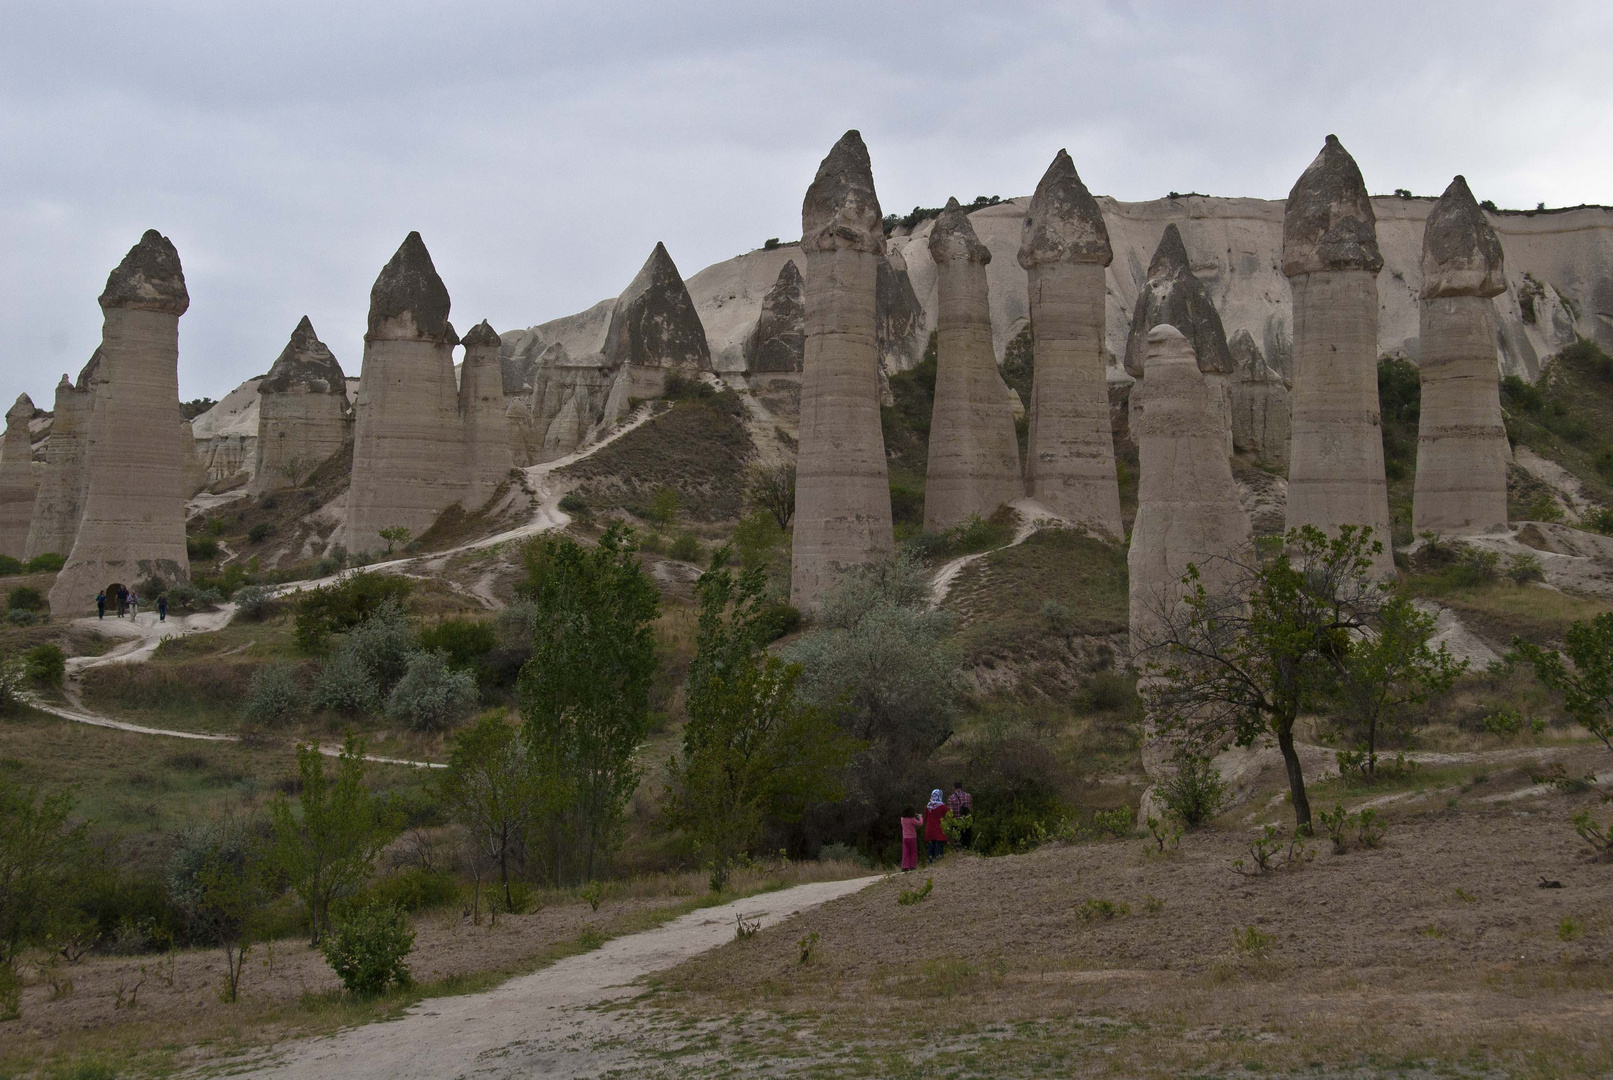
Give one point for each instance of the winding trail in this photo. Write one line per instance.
(1032, 516)
(546, 1024)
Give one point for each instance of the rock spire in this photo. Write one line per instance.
(59, 504)
(1259, 404)
(1462, 448)
(132, 528)
(778, 341)
(302, 412)
(1064, 247)
(1330, 255)
(974, 451)
(481, 406)
(842, 492)
(655, 324)
(16, 479)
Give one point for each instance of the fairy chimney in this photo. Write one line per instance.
(777, 343)
(16, 479)
(59, 503)
(302, 412)
(482, 409)
(1259, 404)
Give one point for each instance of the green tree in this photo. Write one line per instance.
(329, 850)
(39, 851)
(1384, 672)
(772, 490)
(585, 693)
(752, 750)
(1263, 647)
(215, 877)
(1587, 689)
(498, 790)
(395, 536)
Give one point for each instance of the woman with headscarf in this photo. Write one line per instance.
(936, 836)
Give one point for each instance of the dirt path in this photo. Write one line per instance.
(1032, 516)
(543, 1024)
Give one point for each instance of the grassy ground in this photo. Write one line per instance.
(1568, 416)
(1498, 610)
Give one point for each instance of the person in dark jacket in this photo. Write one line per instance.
(162, 607)
(100, 605)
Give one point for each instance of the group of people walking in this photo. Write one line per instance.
(958, 805)
(127, 603)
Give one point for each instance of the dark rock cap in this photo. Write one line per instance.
(149, 278)
(481, 334)
(21, 411)
(1328, 223)
(841, 210)
(409, 285)
(953, 237)
(655, 323)
(1461, 254)
(305, 363)
(1064, 223)
(778, 340)
(1173, 296)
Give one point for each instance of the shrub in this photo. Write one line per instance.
(1095, 908)
(572, 503)
(1195, 792)
(1524, 567)
(45, 664)
(13, 673)
(9, 566)
(342, 605)
(25, 598)
(48, 563)
(201, 548)
(346, 686)
(910, 897)
(273, 697)
(192, 598)
(778, 619)
(254, 602)
(367, 949)
(464, 641)
(431, 696)
(413, 888)
(1116, 822)
(686, 548)
(19, 617)
(1600, 520)
(260, 532)
(382, 643)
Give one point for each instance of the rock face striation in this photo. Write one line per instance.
(59, 503)
(1064, 248)
(1331, 259)
(842, 492)
(1462, 449)
(302, 412)
(1259, 404)
(408, 447)
(1173, 296)
(974, 451)
(482, 410)
(133, 523)
(778, 341)
(655, 324)
(16, 479)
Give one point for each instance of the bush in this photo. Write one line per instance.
(184, 597)
(260, 532)
(572, 503)
(254, 602)
(1524, 567)
(412, 889)
(45, 665)
(201, 548)
(273, 697)
(346, 686)
(464, 641)
(340, 606)
(1195, 792)
(25, 598)
(779, 618)
(367, 948)
(9, 566)
(686, 548)
(382, 643)
(19, 617)
(48, 563)
(432, 696)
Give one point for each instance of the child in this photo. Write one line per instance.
(937, 837)
(910, 839)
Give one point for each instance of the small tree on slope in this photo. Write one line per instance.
(1587, 689)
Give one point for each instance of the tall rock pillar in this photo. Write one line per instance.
(482, 410)
(842, 489)
(1331, 258)
(1064, 247)
(1462, 449)
(59, 504)
(133, 524)
(974, 451)
(408, 446)
(16, 479)
(302, 412)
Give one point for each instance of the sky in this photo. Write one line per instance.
(542, 149)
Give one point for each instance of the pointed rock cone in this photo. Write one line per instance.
(302, 412)
(974, 451)
(16, 479)
(1462, 449)
(842, 490)
(132, 528)
(655, 324)
(1064, 247)
(408, 442)
(60, 501)
(481, 406)
(1173, 296)
(1330, 254)
(1259, 404)
(778, 341)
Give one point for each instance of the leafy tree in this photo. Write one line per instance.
(215, 878)
(772, 489)
(755, 537)
(585, 691)
(432, 696)
(395, 536)
(1383, 672)
(331, 848)
(664, 507)
(498, 790)
(1587, 689)
(752, 750)
(1249, 657)
(39, 850)
(344, 604)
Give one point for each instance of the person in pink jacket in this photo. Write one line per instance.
(911, 823)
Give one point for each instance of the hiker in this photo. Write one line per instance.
(123, 600)
(934, 813)
(134, 606)
(100, 604)
(962, 805)
(162, 607)
(910, 838)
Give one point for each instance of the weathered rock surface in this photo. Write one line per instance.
(408, 447)
(1260, 406)
(193, 469)
(302, 412)
(778, 342)
(1330, 253)
(482, 408)
(842, 494)
(974, 451)
(59, 503)
(16, 479)
(655, 324)
(1064, 247)
(133, 523)
(1462, 448)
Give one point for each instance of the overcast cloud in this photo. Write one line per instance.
(542, 149)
